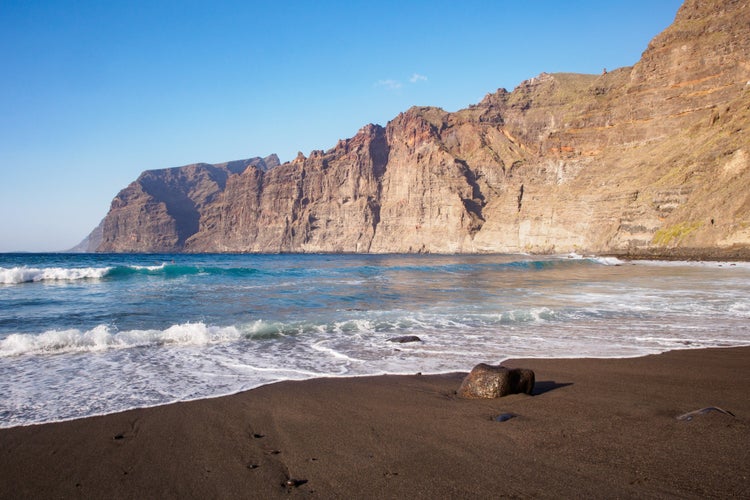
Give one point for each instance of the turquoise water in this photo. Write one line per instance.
(86, 334)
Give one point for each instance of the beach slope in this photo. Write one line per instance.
(594, 427)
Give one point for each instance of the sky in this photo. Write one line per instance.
(92, 93)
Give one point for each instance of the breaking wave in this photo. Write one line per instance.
(102, 338)
(24, 274)
(16, 275)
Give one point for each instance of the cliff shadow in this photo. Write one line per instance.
(380, 152)
(186, 216)
(180, 207)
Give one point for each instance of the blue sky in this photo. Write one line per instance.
(94, 92)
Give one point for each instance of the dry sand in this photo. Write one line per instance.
(593, 428)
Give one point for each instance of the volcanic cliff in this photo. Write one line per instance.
(652, 159)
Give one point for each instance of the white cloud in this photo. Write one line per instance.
(388, 84)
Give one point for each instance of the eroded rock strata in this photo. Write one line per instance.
(645, 160)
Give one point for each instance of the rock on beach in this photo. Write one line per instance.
(488, 381)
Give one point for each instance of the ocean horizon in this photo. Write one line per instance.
(91, 334)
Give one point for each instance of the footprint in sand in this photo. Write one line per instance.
(702, 411)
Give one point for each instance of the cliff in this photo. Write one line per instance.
(649, 160)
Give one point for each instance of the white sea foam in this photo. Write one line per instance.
(197, 334)
(574, 256)
(373, 326)
(16, 275)
(606, 261)
(96, 339)
(741, 309)
(103, 338)
(321, 347)
(158, 267)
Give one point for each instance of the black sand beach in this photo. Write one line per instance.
(593, 428)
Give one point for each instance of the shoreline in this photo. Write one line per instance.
(595, 426)
(728, 255)
(367, 376)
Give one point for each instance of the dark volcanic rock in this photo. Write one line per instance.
(487, 381)
(405, 339)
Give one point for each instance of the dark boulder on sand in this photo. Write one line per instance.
(487, 381)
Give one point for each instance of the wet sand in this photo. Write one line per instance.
(593, 428)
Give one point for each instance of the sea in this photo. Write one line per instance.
(91, 334)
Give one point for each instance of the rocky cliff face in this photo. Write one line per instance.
(647, 160)
(162, 208)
